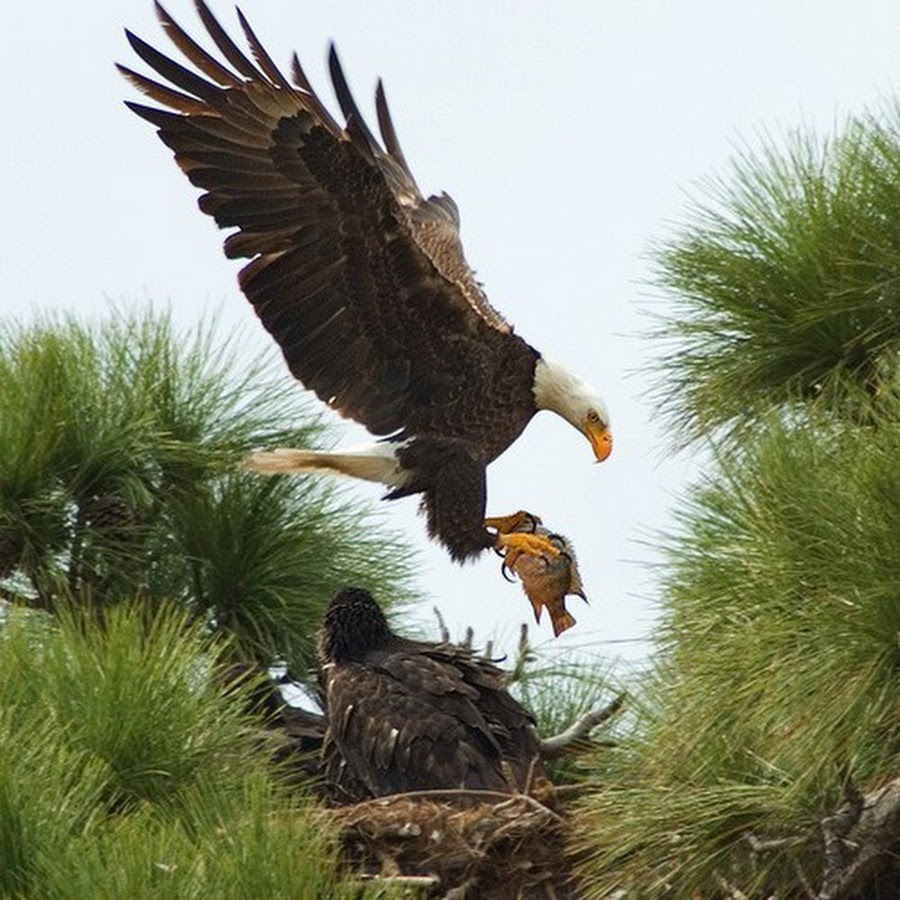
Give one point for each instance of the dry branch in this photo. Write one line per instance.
(858, 839)
(578, 732)
(442, 625)
(414, 881)
(759, 845)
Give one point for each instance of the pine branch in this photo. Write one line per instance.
(858, 838)
(766, 845)
(577, 733)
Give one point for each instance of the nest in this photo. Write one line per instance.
(459, 843)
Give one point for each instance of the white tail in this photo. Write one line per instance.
(371, 462)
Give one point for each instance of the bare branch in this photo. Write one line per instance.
(442, 625)
(729, 889)
(578, 789)
(499, 799)
(858, 838)
(417, 881)
(835, 829)
(532, 771)
(808, 891)
(579, 730)
(758, 845)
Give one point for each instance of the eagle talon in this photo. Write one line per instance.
(518, 543)
(519, 522)
(533, 522)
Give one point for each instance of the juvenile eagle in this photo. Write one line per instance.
(361, 280)
(408, 715)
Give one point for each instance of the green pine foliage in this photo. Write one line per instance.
(270, 553)
(121, 477)
(776, 675)
(129, 771)
(785, 284)
(559, 690)
(778, 667)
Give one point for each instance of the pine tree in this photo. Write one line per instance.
(128, 772)
(766, 761)
(137, 563)
(120, 478)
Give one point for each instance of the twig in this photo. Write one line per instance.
(567, 791)
(530, 801)
(442, 625)
(499, 833)
(579, 730)
(406, 880)
(498, 797)
(729, 889)
(758, 845)
(532, 771)
(804, 881)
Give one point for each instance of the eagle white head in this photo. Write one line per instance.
(557, 389)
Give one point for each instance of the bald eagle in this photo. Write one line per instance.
(408, 715)
(361, 280)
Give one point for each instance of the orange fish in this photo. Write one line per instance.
(546, 581)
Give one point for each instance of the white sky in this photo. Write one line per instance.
(567, 133)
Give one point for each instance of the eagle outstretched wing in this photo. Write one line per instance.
(359, 278)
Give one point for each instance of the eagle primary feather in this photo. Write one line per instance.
(360, 279)
(408, 715)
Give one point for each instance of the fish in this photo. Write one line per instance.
(548, 581)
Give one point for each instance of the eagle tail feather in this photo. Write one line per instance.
(369, 462)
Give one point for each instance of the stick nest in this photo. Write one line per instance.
(455, 844)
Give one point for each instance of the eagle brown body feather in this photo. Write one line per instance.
(408, 715)
(360, 279)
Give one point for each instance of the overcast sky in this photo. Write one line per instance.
(568, 133)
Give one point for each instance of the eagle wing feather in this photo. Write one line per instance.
(361, 281)
(418, 719)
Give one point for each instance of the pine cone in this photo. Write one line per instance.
(112, 517)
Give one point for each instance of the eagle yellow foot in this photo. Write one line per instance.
(514, 545)
(519, 521)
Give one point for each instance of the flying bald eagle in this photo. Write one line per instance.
(408, 715)
(361, 280)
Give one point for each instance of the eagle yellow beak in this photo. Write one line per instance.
(601, 440)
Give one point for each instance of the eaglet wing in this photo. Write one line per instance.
(360, 280)
(408, 722)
